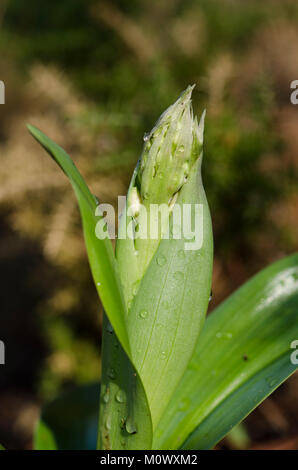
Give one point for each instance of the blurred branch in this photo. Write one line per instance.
(131, 33)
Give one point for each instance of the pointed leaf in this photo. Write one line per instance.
(169, 309)
(242, 355)
(100, 252)
(125, 420)
(105, 273)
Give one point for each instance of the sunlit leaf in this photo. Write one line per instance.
(169, 308)
(125, 419)
(105, 273)
(100, 252)
(242, 355)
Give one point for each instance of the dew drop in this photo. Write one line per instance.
(181, 254)
(130, 426)
(121, 396)
(111, 373)
(135, 287)
(161, 260)
(210, 296)
(219, 334)
(181, 148)
(96, 199)
(227, 335)
(98, 284)
(108, 423)
(143, 314)
(271, 381)
(147, 136)
(178, 275)
(106, 395)
(109, 328)
(163, 355)
(184, 404)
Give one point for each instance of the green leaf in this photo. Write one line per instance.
(2, 448)
(125, 420)
(243, 354)
(100, 252)
(105, 271)
(169, 309)
(70, 421)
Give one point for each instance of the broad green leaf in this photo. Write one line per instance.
(169, 309)
(100, 252)
(243, 354)
(125, 420)
(105, 273)
(70, 421)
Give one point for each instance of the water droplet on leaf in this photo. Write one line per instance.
(135, 287)
(143, 314)
(184, 404)
(178, 275)
(111, 373)
(147, 136)
(108, 423)
(161, 260)
(121, 396)
(106, 395)
(130, 426)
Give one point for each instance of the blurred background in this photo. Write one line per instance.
(95, 75)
